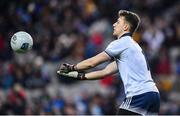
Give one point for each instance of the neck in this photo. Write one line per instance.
(120, 35)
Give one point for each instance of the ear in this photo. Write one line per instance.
(126, 27)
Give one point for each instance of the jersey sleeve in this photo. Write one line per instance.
(115, 48)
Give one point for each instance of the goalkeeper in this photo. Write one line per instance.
(142, 95)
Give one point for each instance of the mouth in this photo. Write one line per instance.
(114, 29)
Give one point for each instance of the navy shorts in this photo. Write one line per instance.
(146, 103)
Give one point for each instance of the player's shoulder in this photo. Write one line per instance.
(126, 38)
(123, 40)
(119, 43)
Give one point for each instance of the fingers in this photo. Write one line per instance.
(58, 72)
(73, 74)
(63, 67)
(61, 73)
(66, 68)
(65, 64)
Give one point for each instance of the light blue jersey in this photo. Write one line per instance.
(132, 66)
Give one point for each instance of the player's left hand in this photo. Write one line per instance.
(73, 74)
(66, 68)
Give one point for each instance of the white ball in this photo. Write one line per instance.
(21, 42)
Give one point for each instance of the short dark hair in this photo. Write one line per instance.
(132, 18)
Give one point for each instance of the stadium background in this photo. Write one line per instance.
(73, 30)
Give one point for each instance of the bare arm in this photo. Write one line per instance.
(110, 69)
(92, 62)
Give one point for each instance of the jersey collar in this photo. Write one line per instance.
(126, 34)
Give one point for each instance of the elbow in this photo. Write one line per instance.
(104, 72)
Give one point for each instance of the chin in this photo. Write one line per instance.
(114, 34)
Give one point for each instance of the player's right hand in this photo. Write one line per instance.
(73, 74)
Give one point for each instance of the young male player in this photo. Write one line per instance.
(142, 96)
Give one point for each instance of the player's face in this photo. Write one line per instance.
(120, 26)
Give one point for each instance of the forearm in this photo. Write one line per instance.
(95, 75)
(110, 69)
(92, 62)
(86, 64)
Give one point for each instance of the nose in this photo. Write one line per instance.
(114, 24)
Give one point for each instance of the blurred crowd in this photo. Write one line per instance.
(73, 30)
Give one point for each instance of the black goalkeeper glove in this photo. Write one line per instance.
(73, 74)
(67, 68)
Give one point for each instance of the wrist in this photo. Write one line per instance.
(74, 67)
(81, 76)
